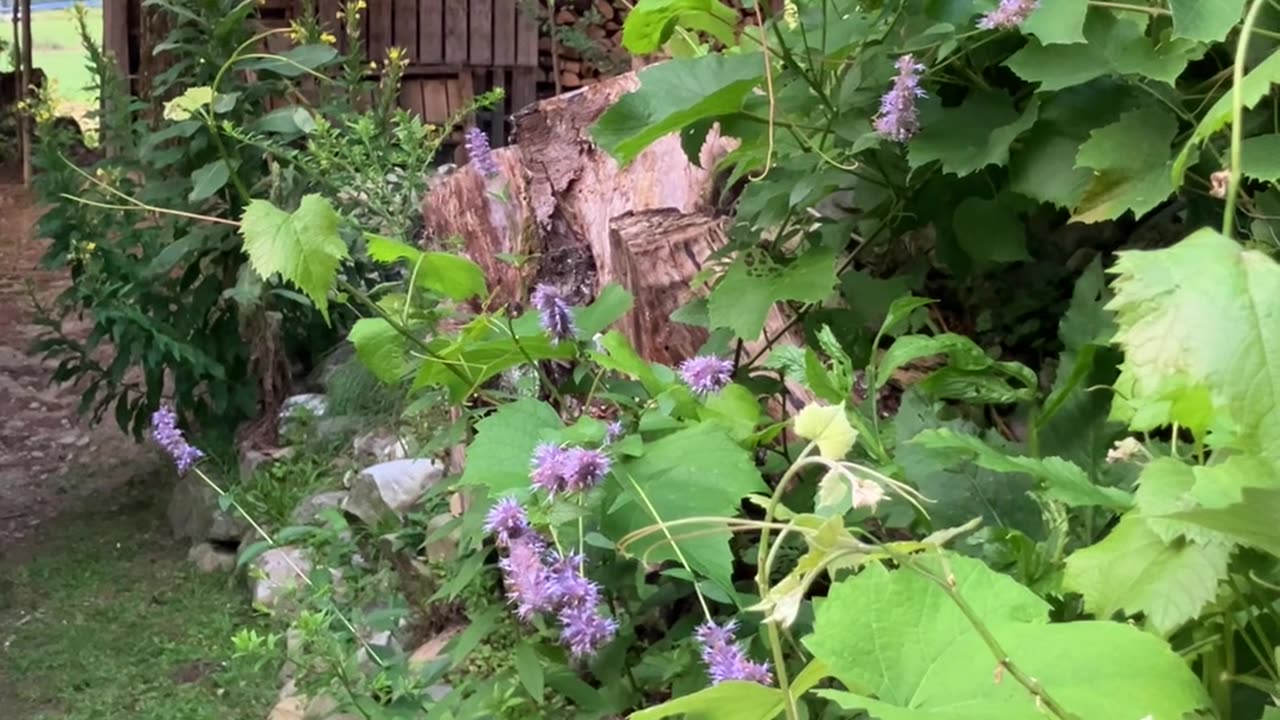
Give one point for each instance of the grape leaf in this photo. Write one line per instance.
(733, 699)
(1199, 312)
(1131, 160)
(454, 276)
(380, 348)
(1134, 571)
(303, 247)
(675, 94)
(972, 136)
(1256, 85)
(1113, 46)
(828, 426)
(499, 456)
(695, 472)
(897, 636)
(1233, 501)
(1064, 481)
(1205, 21)
(742, 299)
(1057, 22)
(651, 22)
(989, 231)
(1261, 157)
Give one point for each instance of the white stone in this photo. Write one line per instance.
(315, 405)
(274, 576)
(382, 445)
(391, 488)
(308, 511)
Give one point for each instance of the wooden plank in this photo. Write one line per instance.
(455, 31)
(526, 37)
(379, 29)
(524, 88)
(481, 49)
(435, 101)
(405, 30)
(431, 31)
(115, 32)
(411, 97)
(504, 32)
(327, 15)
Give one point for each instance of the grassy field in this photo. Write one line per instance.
(58, 52)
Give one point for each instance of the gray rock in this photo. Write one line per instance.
(209, 559)
(340, 355)
(379, 446)
(274, 577)
(390, 489)
(194, 513)
(314, 405)
(443, 549)
(308, 511)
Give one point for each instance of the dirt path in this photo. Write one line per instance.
(50, 460)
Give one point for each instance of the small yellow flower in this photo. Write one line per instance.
(361, 5)
(395, 54)
(296, 32)
(790, 14)
(328, 38)
(373, 65)
(90, 246)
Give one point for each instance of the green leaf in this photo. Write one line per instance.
(455, 277)
(696, 472)
(960, 490)
(1164, 488)
(1131, 161)
(989, 231)
(1205, 21)
(1063, 481)
(1057, 22)
(1134, 571)
(380, 348)
(296, 61)
(733, 700)
(529, 668)
(610, 305)
(1197, 315)
(742, 299)
(303, 247)
(675, 94)
(499, 456)
(1252, 521)
(208, 180)
(651, 22)
(976, 134)
(190, 101)
(735, 409)
(1231, 502)
(961, 352)
(829, 427)
(1113, 45)
(1256, 85)
(928, 663)
(619, 356)
(1261, 157)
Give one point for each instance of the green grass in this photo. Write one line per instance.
(109, 622)
(58, 52)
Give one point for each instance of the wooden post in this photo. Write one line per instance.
(25, 120)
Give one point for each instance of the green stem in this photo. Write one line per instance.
(706, 611)
(1237, 118)
(542, 375)
(417, 342)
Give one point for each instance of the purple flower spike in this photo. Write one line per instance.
(527, 580)
(706, 374)
(479, 154)
(899, 119)
(165, 433)
(506, 521)
(548, 468)
(569, 588)
(725, 659)
(553, 312)
(583, 469)
(1009, 15)
(584, 630)
(613, 432)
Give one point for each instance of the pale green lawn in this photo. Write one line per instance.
(58, 52)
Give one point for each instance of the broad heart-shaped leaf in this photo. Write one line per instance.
(1257, 85)
(1201, 312)
(960, 490)
(499, 457)
(695, 472)
(450, 275)
(829, 427)
(1063, 481)
(1261, 157)
(651, 22)
(972, 136)
(1056, 22)
(303, 247)
(899, 636)
(1131, 160)
(1113, 45)
(1134, 571)
(733, 700)
(1205, 21)
(208, 180)
(675, 94)
(742, 299)
(380, 348)
(1234, 501)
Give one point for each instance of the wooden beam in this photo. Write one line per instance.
(26, 91)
